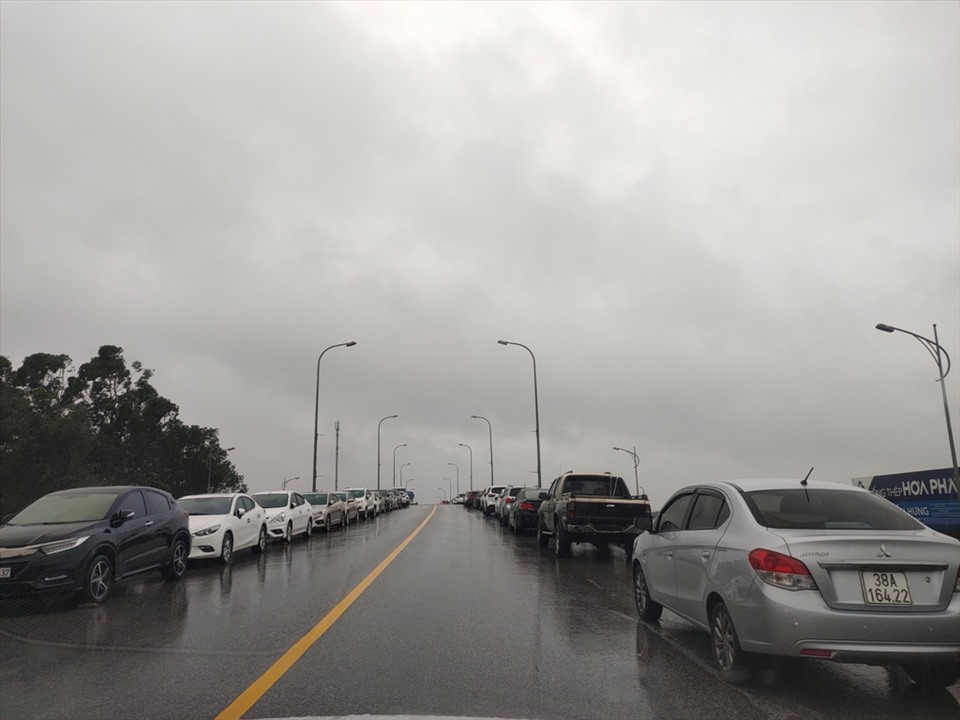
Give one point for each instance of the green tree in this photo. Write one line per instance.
(103, 425)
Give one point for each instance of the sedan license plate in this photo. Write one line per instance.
(885, 588)
(4, 572)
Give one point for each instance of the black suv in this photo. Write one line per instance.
(82, 540)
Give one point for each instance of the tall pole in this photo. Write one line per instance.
(936, 349)
(458, 478)
(636, 464)
(489, 430)
(536, 404)
(395, 464)
(450, 483)
(401, 473)
(316, 411)
(471, 462)
(379, 425)
(336, 457)
(287, 481)
(444, 491)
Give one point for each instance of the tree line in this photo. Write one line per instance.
(100, 424)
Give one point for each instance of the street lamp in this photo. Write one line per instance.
(471, 462)
(379, 425)
(316, 411)
(636, 464)
(450, 483)
(401, 473)
(536, 403)
(444, 491)
(395, 464)
(288, 480)
(210, 465)
(935, 349)
(458, 478)
(490, 430)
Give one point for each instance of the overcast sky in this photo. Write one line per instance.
(693, 214)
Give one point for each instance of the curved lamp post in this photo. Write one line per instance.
(287, 481)
(401, 473)
(316, 411)
(379, 425)
(444, 491)
(395, 465)
(471, 462)
(210, 465)
(450, 484)
(458, 480)
(490, 430)
(636, 464)
(536, 403)
(935, 349)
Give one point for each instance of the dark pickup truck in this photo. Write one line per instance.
(595, 508)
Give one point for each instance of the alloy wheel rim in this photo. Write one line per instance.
(179, 558)
(640, 588)
(723, 640)
(100, 580)
(227, 548)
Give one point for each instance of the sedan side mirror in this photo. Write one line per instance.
(644, 523)
(241, 512)
(544, 495)
(120, 517)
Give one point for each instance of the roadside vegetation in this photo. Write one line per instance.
(100, 424)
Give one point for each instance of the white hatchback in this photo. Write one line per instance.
(288, 514)
(222, 523)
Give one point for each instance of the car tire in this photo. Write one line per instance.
(563, 543)
(261, 541)
(542, 538)
(934, 677)
(288, 534)
(226, 550)
(344, 522)
(97, 580)
(177, 566)
(647, 608)
(309, 531)
(734, 664)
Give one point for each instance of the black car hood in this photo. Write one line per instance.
(25, 535)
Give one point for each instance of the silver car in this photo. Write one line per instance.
(818, 570)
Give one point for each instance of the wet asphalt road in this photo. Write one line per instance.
(466, 621)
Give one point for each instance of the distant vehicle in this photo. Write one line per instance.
(327, 509)
(522, 514)
(350, 506)
(223, 523)
(823, 571)
(489, 498)
(85, 539)
(412, 496)
(288, 514)
(594, 508)
(366, 504)
(469, 498)
(504, 502)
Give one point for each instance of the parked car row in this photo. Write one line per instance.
(83, 540)
(771, 569)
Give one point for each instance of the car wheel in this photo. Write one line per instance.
(933, 676)
(97, 580)
(563, 543)
(288, 534)
(309, 531)
(542, 538)
(733, 662)
(344, 522)
(178, 560)
(647, 609)
(226, 550)
(261, 541)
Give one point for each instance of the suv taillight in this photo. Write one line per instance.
(781, 570)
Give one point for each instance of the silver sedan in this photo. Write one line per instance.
(818, 570)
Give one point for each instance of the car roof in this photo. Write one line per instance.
(752, 484)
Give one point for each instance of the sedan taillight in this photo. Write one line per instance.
(781, 570)
(526, 506)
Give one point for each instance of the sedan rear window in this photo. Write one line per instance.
(822, 509)
(206, 506)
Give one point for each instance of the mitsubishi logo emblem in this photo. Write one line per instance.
(883, 552)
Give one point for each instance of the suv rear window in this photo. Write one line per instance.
(821, 509)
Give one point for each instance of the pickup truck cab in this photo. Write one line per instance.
(594, 508)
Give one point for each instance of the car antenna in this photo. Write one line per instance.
(804, 484)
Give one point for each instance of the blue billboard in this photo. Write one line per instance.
(929, 495)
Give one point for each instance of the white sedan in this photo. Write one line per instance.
(221, 524)
(328, 510)
(288, 514)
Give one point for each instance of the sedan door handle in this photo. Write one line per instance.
(705, 555)
(670, 555)
(148, 523)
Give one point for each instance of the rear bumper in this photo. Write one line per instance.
(587, 532)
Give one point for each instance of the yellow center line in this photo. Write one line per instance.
(252, 694)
